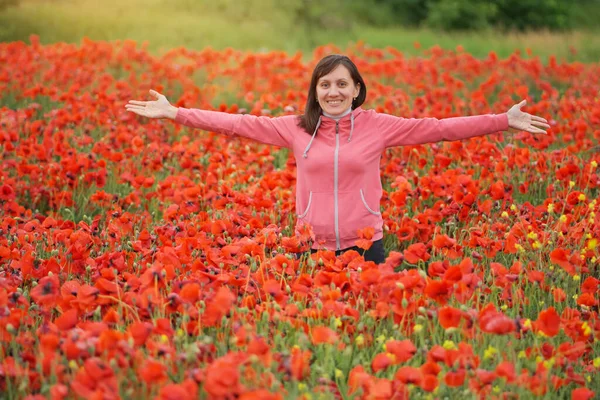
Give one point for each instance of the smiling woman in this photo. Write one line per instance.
(338, 181)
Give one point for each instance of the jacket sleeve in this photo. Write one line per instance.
(397, 131)
(276, 131)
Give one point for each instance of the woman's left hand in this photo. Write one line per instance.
(523, 121)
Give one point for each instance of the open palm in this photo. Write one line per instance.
(523, 121)
(159, 108)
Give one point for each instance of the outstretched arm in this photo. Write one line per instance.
(274, 131)
(398, 131)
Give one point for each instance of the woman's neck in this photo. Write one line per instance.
(338, 116)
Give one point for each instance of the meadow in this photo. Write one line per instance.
(270, 25)
(142, 259)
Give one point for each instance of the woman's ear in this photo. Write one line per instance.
(357, 90)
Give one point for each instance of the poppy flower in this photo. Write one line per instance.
(548, 322)
(449, 317)
(323, 334)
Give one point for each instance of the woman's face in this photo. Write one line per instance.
(336, 90)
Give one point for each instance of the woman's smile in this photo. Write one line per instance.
(336, 90)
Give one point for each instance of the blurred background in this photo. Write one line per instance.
(565, 28)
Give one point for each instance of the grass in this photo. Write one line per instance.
(263, 26)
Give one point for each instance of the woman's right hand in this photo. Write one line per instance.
(159, 108)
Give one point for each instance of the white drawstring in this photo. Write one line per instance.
(351, 127)
(312, 138)
(305, 155)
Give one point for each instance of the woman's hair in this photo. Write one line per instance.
(312, 112)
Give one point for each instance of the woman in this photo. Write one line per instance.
(338, 146)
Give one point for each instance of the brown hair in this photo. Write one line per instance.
(312, 112)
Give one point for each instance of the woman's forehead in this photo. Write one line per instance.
(339, 72)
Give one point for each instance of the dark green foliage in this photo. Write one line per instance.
(461, 14)
(520, 15)
(532, 14)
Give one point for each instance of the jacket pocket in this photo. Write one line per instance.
(355, 213)
(319, 213)
(362, 196)
(307, 206)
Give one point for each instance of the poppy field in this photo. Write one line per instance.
(143, 259)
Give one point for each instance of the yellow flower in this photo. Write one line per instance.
(449, 345)
(527, 323)
(581, 197)
(164, 338)
(594, 164)
(536, 245)
(338, 322)
(504, 214)
(522, 354)
(571, 184)
(360, 340)
(513, 208)
(597, 362)
(391, 356)
(503, 307)
(380, 339)
(563, 218)
(550, 208)
(576, 278)
(339, 374)
(592, 243)
(489, 352)
(417, 328)
(549, 363)
(587, 330)
(302, 387)
(73, 364)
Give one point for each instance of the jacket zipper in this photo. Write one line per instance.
(335, 185)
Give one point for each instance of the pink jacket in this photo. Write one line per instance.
(338, 189)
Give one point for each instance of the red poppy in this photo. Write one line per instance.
(403, 350)
(449, 317)
(548, 322)
(46, 292)
(381, 362)
(323, 334)
(152, 372)
(492, 321)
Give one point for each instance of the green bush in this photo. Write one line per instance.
(451, 15)
(532, 14)
(477, 14)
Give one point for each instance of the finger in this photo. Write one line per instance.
(137, 102)
(522, 103)
(154, 93)
(533, 129)
(540, 124)
(134, 107)
(536, 118)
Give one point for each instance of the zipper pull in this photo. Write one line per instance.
(337, 127)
